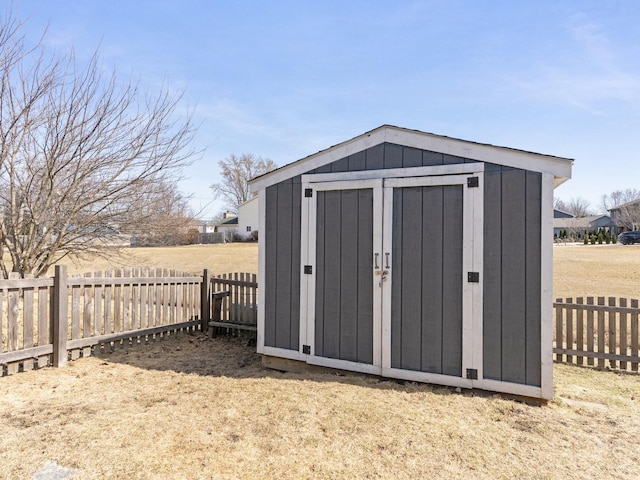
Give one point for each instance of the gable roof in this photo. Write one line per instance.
(632, 203)
(583, 222)
(228, 221)
(559, 167)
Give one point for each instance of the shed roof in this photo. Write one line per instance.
(558, 166)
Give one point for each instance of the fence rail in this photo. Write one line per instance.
(597, 332)
(47, 321)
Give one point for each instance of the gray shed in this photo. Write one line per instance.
(414, 256)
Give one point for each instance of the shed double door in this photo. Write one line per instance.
(387, 265)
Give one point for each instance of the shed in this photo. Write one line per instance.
(413, 256)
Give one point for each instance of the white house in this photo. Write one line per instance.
(248, 217)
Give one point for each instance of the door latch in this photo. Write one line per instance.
(383, 276)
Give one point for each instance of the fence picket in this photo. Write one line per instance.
(580, 330)
(559, 330)
(97, 306)
(27, 323)
(13, 302)
(44, 336)
(88, 292)
(144, 291)
(126, 302)
(623, 333)
(634, 334)
(75, 318)
(601, 331)
(590, 332)
(172, 299)
(612, 331)
(108, 327)
(569, 330)
(117, 306)
(135, 302)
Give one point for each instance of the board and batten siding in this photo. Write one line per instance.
(426, 312)
(512, 272)
(512, 259)
(344, 291)
(282, 264)
(282, 234)
(388, 155)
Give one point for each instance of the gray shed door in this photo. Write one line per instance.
(427, 276)
(387, 263)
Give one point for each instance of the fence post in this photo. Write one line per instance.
(59, 316)
(205, 300)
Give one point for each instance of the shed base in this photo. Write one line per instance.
(296, 366)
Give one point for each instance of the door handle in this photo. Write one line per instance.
(386, 261)
(375, 263)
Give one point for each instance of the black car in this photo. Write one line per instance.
(629, 238)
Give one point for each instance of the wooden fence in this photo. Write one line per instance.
(47, 321)
(597, 333)
(240, 306)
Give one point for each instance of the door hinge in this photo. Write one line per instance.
(306, 349)
(308, 269)
(473, 277)
(472, 374)
(473, 182)
(308, 192)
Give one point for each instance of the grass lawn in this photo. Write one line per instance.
(191, 407)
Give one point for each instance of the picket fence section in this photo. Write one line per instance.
(240, 306)
(602, 333)
(47, 321)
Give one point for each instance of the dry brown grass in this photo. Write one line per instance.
(596, 270)
(190, 407)
(220, 258)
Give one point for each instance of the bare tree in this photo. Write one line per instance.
(81, 154)
(578, 207)
(236, 171)
(624, 208)
(169, 217)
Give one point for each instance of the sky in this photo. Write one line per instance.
(283, 79)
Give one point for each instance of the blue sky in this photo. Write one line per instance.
(285, 79)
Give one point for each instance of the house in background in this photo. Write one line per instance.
(576, 226)
(626, 216)
(561, 214)
(248, 218)
(243, 226)
(228, 225)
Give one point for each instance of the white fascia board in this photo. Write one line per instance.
(535, 162)
(559, 167)
(317, 160)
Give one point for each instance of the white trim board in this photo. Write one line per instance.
(559, 167)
